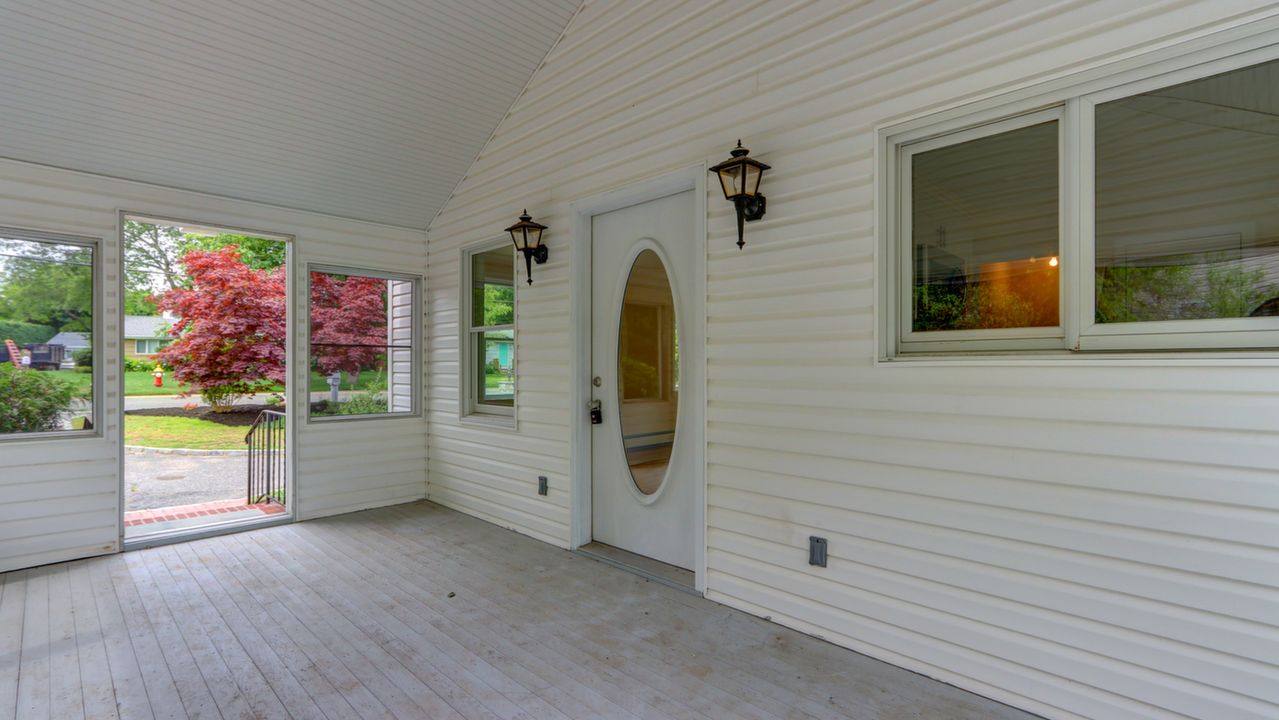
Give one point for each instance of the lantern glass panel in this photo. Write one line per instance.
(730, 178)
(753, 175)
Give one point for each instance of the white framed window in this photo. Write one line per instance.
(151, 346)
(487, 340)
(363, 346)
(50, 335)
(1133, 212)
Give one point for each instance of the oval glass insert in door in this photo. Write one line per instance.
(648, 372)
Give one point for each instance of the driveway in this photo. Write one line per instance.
(163, 480)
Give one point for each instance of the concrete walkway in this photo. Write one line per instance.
(155, 481)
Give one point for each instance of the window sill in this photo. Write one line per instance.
(1217, 358)
(325, 419)
(52, 435)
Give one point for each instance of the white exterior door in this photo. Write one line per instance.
(646, 455)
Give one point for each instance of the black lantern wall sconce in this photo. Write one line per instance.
(740, 176)
(527, 236)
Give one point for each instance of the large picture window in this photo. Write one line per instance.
(489, 333)
(47, 338)
(1168, 240)
(363, 343)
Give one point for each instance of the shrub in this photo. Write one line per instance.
(23, 333)
(138, 365)
(83, 358)
(357, 404)
(32, 401)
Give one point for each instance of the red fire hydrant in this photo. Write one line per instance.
(159, 375)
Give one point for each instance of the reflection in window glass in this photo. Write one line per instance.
(1187, 222)
(492, 330)
(984, 231)
(362, 335)
(648, 372)
(46, 327)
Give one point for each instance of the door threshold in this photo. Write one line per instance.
(186, 534)
(646, 567)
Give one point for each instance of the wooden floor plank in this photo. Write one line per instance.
(13, 600)
(442, 700)
(462, 679)
(97, 684)
(409, 612)
(66, 698)
(642, 694)
(516, 659)
(285, 628)
(301, 689)
(621, 692)
(244, 691)
(146, 613)
(592, 643)
(380, 673)
(33, 669)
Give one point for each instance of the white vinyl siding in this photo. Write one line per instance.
(1081, 539)
(59, 499)
(403, 319)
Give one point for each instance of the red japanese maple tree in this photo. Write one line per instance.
(348, 322)
(231, 325)
(230, 329)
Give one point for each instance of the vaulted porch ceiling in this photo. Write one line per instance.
(368, 109)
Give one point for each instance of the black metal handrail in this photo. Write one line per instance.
(267, 458)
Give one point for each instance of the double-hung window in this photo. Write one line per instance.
(488, 335)
(1142, 215)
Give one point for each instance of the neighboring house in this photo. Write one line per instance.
(144, 335)
(72, 341)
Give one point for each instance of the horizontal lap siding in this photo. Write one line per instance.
(1095, 539)
(59, 499)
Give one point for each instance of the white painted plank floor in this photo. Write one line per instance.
(412, 612)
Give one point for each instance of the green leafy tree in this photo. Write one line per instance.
(495, 303)
(22, 333)
(152, 256)
(255, 252)
(1234, 290)
(46, 284)
(153, 259)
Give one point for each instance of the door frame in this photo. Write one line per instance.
(583, 211)
(290, 295)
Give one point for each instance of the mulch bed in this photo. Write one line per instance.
(240, 416)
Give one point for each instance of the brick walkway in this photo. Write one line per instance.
(183, 512)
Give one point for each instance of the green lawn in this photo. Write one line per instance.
(143, 383)
(181, 432)
(135, 383)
